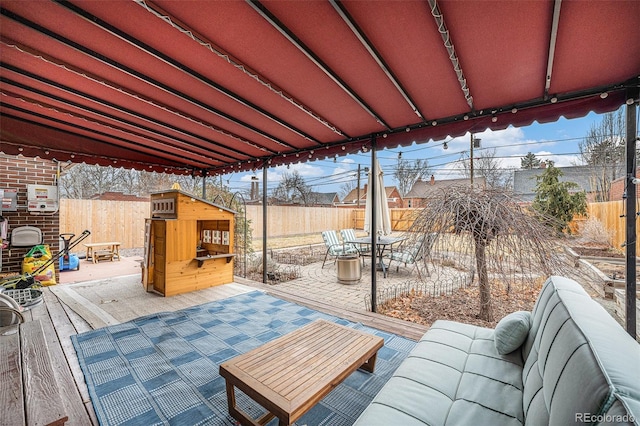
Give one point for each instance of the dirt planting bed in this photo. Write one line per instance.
(463, 305)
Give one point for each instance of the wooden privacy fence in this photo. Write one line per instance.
(107, 220)
(293, 220)
(124, 220)
(401, 219)
(611, 214)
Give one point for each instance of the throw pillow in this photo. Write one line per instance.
(512, 331)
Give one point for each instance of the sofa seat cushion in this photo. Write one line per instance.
(453, 376)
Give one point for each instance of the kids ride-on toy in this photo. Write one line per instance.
(68, 261)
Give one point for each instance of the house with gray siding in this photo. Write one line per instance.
(588, 179)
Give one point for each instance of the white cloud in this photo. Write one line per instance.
(510, 146)
(274, 174)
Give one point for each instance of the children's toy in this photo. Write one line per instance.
(68, 261)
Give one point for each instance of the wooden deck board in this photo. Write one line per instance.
(80, 326)
(11, 399)
(61, 381)
(43, 402)
(69, 375)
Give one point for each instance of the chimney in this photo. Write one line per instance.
(433, 180)
(255, 189)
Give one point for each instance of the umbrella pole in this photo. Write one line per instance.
(373, 227)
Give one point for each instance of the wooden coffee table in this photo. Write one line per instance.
(289, 375)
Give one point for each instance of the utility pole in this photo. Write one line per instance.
(204, 184)
(473, 143)
(366, 170)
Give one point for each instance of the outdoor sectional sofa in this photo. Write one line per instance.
(569, 362)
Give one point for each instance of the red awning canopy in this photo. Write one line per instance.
(226, 86)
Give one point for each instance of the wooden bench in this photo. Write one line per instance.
(291, 374)
(29, 394)
(99, 255)
(103, 251)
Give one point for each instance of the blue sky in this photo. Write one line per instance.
(557, 141)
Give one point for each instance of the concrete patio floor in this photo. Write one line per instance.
(321, 284)
(316, 282)
(90, 271)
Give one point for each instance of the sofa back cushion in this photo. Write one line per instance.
(579, 362)
(511, 332)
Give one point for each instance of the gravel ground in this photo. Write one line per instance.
(132, 252)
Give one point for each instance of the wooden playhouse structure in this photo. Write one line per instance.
(188, 244)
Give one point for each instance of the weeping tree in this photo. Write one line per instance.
(492, 229)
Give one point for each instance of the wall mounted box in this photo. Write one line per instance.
(9, 200)
(42, 198)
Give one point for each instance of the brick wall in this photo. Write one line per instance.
(617, 188)
(16, 172)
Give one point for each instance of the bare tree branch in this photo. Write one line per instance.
(488, 234)
(408, 172)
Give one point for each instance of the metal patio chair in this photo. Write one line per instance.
(336, 248)
(413, 252)
(350, 235)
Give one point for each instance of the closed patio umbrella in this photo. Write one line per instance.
(383, 215)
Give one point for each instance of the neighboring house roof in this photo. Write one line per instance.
(312, 199)
(324, 198)
(524, 181)
(423, 189)
(390, 189)
(352, 196)
(118, 196)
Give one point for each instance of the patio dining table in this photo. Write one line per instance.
(382, 243)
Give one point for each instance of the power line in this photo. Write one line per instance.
(434, 145)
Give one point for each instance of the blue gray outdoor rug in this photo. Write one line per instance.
(163, 369)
